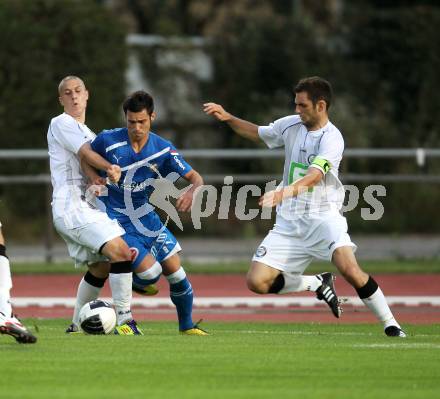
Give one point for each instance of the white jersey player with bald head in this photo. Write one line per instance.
(70, 209)
(92, 238)
(308, 223)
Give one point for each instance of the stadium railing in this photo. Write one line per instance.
(419, 155)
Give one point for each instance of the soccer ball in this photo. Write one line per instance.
(97, 317)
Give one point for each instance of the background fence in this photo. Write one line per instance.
(411, 248)
(419, 155)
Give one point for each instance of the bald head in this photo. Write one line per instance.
(67, 79)
(73, 96)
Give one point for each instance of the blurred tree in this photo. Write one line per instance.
(393, 48)
(41, 42)
(392, 60)
(381, 56)
(157, 17)
(259, 53)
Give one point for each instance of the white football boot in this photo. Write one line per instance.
(13, 327)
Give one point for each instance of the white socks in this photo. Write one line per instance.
(298, 283)
(86, 293)
(5, 286)
(379, 306)
(120, 284)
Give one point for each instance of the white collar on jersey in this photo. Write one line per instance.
(320, 130)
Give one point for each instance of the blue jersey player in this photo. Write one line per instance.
(145, 157)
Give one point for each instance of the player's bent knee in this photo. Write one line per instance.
(100, 269)
(117, 250)
(171, 264)
(257, 285)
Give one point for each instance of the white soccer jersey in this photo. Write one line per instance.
(65, 137)
(321, 149)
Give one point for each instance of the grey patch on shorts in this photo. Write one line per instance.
(261, 251)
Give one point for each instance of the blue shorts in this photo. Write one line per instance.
(162, 246)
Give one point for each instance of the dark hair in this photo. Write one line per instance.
(316, 88)
(137, 102)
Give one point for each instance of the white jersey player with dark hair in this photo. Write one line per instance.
(308, 222)
(9, 324)
(91, 236)
(145, 158)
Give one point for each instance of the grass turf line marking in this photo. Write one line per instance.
(400, 345)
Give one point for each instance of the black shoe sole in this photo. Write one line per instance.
(20, 336)
(393, 331)
(330, 283)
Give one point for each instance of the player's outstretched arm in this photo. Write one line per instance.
(86, 154)
(184, 202)
(244, 128)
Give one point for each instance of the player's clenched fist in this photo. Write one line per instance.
(114, 173)
(97, 186)
(217, 111)
(184, 202)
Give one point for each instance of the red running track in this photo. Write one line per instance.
(232, 285)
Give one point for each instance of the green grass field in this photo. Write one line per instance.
(375, 267)
(238, 360)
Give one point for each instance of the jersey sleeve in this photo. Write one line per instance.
(330, 152)
(273, 134)
(98, 145)
(176, 163)
(69, 134)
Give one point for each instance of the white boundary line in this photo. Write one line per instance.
(230, 302)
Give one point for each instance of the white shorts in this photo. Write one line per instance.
(84, 242)
(293, 253)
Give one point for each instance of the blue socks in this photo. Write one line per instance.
(181, 295)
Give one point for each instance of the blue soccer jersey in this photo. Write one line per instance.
(157, 159)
